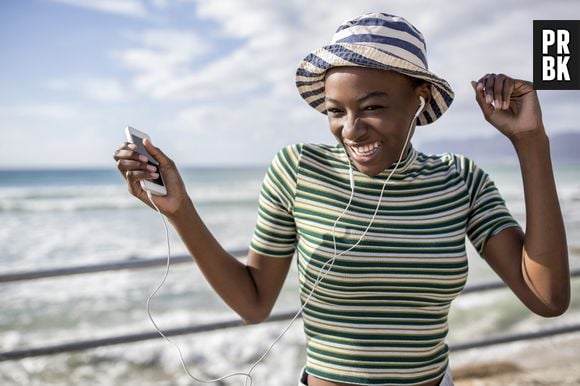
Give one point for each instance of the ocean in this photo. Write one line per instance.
(61, 218)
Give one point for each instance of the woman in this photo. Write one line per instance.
(378, 227)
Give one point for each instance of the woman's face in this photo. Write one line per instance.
(369, 112)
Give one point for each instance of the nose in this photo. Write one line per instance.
(353, 128)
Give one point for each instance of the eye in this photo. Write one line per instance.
(334, 110)
(373, 107)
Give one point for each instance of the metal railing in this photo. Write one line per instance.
(132, 263)
(80, 345)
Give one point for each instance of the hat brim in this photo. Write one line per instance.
(312, 71)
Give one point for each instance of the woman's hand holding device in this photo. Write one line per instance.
(146, 168)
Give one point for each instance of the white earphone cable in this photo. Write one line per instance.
(318, 279)
(155, 324)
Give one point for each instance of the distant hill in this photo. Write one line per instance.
(564, 147)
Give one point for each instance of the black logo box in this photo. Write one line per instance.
(573, 28)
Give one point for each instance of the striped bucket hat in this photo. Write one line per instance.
(374, 40)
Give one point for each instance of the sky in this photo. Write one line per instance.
(212, 81)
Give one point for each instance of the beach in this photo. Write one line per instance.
(56, 218)
(552, 361)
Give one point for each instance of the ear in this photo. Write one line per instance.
(424, 90)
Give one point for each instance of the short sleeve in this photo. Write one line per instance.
(275, 232)
(488, 213)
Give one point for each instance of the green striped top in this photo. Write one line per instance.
(379, 317)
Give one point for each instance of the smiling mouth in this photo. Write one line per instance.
(367, 150)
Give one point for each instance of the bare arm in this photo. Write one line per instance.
(250, 289)
(535, 264)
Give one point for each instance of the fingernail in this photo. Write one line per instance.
(151, 168)
(506, 105)
(143, 158)
(480, 86)
(497, 104)
(132, 146)
(154, 175)
(488, 98)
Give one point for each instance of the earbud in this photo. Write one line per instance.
(422, 101)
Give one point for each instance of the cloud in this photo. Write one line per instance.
(40, 111)
(163, 58)
(133, 8)
(104, 90)
(250, 45)
(160, 4)
(250, 131)
(28, 129)
(63, 134)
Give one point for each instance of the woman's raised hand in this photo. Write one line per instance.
(134, 168)
(510, 105)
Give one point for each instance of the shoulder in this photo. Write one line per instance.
(298, 154)
(442, 162)
(452, 163)
(287, 157)
(293, 151)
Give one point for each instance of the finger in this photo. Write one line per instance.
(126, 145)
(125, 165)
(128, 151)
(486, 108)
(488, 87)
(139, 175)
(482, 81)
(135, 176)
(508, 88)
(498, 91)
(156, 153)
(483, 78)
(133, 184)
(129, 154)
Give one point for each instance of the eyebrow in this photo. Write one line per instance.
(372, 94)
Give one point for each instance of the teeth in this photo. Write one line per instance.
(366, 150)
